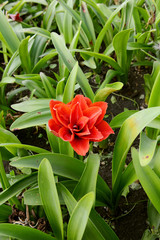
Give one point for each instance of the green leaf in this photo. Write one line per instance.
(5, 211)
(79, 217)
(96, 228)
(147, 149)
(87, 20)
(53, 140)
(127, 134)
(23, 146)
(70, 62)
(149, 180)
(31, 105)
(23, 232)
(8, 34)
(49, 197)
(31, 119)
(120, 45)
(106, 26)
(17, 187)
(119, 119)
(68, 31)
(49, 15)
(50, 91)
(70, 85)
(65, 166)
(88, 180)
(102, 94)
(24, 55)
(7, 80)
(7, 137)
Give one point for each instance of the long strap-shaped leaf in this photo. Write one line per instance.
(17, 187)
(96, 228)
(31, 119)
(22, 232)
(49, 197)
(149, 180)
(70, 62)
(127, 134)
(106, 26)
(65, 166)
(79, 217)
(8, 34)
(88, 180)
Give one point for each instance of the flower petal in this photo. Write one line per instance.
(82, 122)
(92, 113)
(84, 132)
(105, 129)
(95, 135)
(103, 106)
(76, 114)
(80, 146)
(66, 134)
(63, 114)
(54, 127)
(81, 100)
(52, 105)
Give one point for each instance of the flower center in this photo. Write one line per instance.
(75, 127)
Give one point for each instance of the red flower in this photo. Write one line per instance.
(16, 17)
(79, 122)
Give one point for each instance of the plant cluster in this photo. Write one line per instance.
(51, 50)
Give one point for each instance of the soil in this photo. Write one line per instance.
(130, 220)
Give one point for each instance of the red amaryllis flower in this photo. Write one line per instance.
(79, 122)
(16, 17)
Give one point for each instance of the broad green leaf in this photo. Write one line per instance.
(70, 85)
(38, 31)
(35, 118)
(88, 180)
(107, 25)
(49, 197)
(49, 15)
(77, 18)
(50, 91)
(8, 34)
(70, 62)
(36, 86)
(153, 216)
(7, 137)
(20, 4)
(102, 57)
(60, 89)
(147, 149)
(87, 20)
(148, 179)
(23, 232)
(68, 167)
(68, 31)
(109, 76)
(5, 211)
(23, 146)
(31, 105)
(7, 80)
(119, 119)
(102, 94)
(120, 45)
(53, 140)
(79, 217)
(17, 187)
(96, 228)
(37, 48)
(24, 55)
(127, 134)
